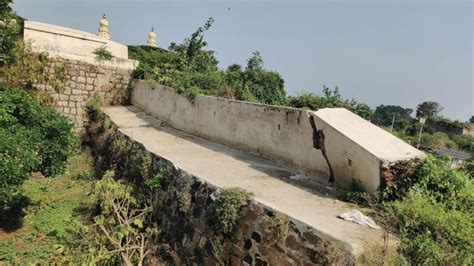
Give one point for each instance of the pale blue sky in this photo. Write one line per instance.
(378, 52)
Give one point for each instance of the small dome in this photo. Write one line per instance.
(152, 33)
(103, 22)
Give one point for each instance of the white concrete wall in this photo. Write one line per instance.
(73, 44)
(278, 133)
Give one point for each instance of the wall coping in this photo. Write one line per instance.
(375, 140)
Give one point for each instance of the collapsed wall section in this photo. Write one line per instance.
(352, 149)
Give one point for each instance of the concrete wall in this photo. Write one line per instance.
(59, 40)
(281, 134)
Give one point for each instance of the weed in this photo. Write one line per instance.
(275, 229)
(224, 213)
(156, 181)
(101, 54)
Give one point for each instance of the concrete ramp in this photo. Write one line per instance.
(224, 167)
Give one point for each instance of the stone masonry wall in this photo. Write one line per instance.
(83, 81)
(181, 202)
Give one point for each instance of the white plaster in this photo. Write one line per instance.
(73, 44)
(282, 134)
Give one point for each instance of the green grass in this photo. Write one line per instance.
(43, 235)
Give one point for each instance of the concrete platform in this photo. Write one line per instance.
(226, 167)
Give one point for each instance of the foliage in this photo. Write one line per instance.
(51, 204)
(437, 140)
(156, 181)
(356, 193)
(432, 214)
(276, 229)
(30, 72)
(329, 99)
(10, 32)
(384, 115)
(428, 109)
(190, 69)
(471, 120)
(34, 138)
(224, 213)
(120, 231)
(102, 54)
(431, 233)
(265, 86)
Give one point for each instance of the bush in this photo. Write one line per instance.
(102, 54)
(432, 213)
(33, 138)
(30, 72)
(329, 99)
(224, 213)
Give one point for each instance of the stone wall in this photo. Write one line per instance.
(83, 81)
(181, 203)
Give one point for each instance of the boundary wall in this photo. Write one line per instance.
(354, 148)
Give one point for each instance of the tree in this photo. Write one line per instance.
(190, 54)
(9, 32)
(266, 86)
(384, 115)
(32, 138)
(428, 109)
(471, 120)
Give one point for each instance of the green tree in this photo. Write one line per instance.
(428, 109)
(32, 138)
(471, 120)
(191, 55)
(384, 115)
(266, 86)
(10, 28)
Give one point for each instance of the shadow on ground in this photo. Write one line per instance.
(11, 215)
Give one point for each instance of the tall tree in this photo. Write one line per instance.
(266, 86)
(428, 109)
(385, 115)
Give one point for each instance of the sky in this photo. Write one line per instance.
(378, 52)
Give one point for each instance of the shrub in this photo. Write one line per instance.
(122, 231)
(224, 213)
(33, 138)
(432, 213)
(329, 99)
(431, 233)
(101, 54)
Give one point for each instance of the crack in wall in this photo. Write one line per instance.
(318, 143)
